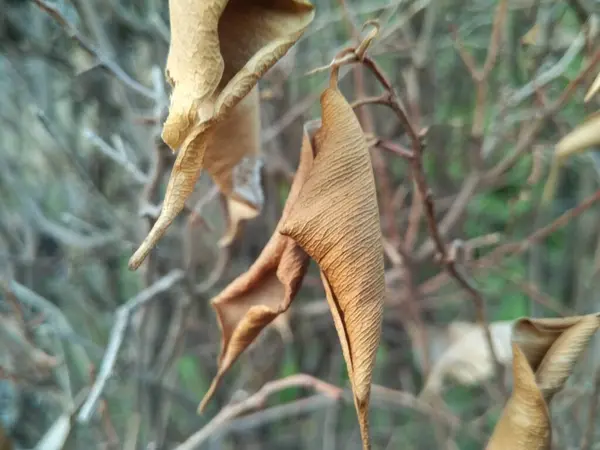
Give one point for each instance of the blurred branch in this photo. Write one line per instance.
(117, 335)
(74, 34)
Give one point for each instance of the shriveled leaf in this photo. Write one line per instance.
(594, 89)
(336, 221)
(544, 354)
(467, 359)
(553, 346)
(233, 161)
(580, 139)
(257, 297)
(219, 50)
(525, 421)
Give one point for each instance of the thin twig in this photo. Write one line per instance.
(117, 336)
(74, 34)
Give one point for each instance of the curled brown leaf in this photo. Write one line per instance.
(219, 50)
(544, 354)
(525, 421)
(336, 221)
(266, 290)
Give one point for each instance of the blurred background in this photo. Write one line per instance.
(83, 169)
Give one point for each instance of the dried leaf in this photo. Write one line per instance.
(467, 359)
(219, 50)
(580, 139)
(336, 221)
(545, 352)
(233, 161)
(552, 347)
(266, 290)
(594, 89)
(525, 421)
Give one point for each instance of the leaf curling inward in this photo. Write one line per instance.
(336, 221)
(548, 349)
(233, 161)
(261, 294)
(219, 50)
(525, 421)
(553, 346)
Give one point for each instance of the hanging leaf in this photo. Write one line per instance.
(266, 290)
(580, 139)
(233, 160)
(544, 354)
(336, 221)
(467, 359)
(219, 50)
(525, 421)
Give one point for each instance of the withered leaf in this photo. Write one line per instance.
(336, 221)
(233, 161)
(544, 354)
(525, 421)
(266, 290)
(219, 50)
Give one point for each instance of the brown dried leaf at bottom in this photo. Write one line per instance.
(266, 290)
(544, 354)
(219, 50)
(336, 221)
(553, 346)
(525, 421)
